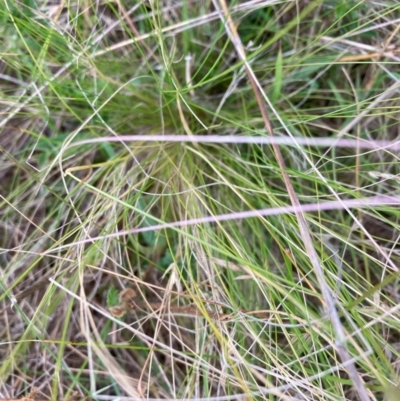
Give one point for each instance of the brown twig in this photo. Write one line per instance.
(129, 303)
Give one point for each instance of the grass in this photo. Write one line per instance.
(76, 226)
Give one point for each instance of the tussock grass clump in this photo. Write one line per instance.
(298, 304)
